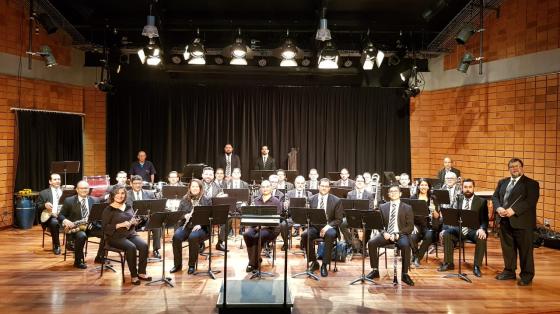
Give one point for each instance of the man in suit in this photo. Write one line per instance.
(515, 201)
(358, 193)
(447, 168)
(228, 160)
(75, 211)
(139, 194)
(471, 202)
(330, 204)
(313, 182)
(143, 168)
(273, 179)
(451, 187)
(398, 221)
(282, 183)
(344, 181)
(236, 182)
(173, 179)
(213, 189)
(220, 178)
(265, 162)
(48, 202)
(298, 192)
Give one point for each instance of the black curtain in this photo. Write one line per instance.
(44, 137)
(362, 129)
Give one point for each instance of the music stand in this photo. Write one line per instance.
(460, 218)
(260, 175)
(390, 177)
(333, 176)
(291, 175)
(174, 192)
(152, 206)
(340, 192)
(308, 216)
(297, 202)
(160, 220)
(257, 212)
(234, 212)
(240, 195)
(209, 216)
(193, 171)
(363, 219)
(441, 197)
(420, 210)
(65, 167)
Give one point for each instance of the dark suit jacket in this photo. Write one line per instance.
(288, 185)
(441, 175)
(526, 192)
(334, 210)
(216, 188)
(242, 185)
(351, 183)
(405, 219)
(270, 163)
(352, 195)
(293, 193)
(45, 196)
(308, 184)
(130, 196)
(221, 161)
(480, 206)
(72, 209)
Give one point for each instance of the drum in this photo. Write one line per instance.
(25, 212)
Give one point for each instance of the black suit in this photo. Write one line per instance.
(441, 176)
(405, 222)
(451, 234)
(156, 233)
(334, 219)
(46, 196)
(221, 162)
(270, 164)
(72, 210)
(516, 232)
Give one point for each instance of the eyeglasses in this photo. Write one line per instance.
(394, 191)
(324, 186)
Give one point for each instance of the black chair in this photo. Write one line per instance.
(46, 232)
(466, 241)
(66, 248)
(335, 243)
(271, 246)
(122, 258)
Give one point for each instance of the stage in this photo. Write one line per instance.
(32, 279)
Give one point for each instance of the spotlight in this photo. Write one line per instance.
(411, 91)
(371, 55)
(218, 60)
(104, 86)
(150, 30)
(323, 33)
(238, 51)
(406, 75)
(151, 54)
(288, 52)
(328, 57)
(195, 52)
(47, 54)
(465, 34)
(465, 62)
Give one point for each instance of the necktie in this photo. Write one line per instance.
(84, 209)
(508, 190)
(392, 218)
(138, 196)
(264, 161)
(207, 189)
(359, 196)
(228, 165)
(465, 230)
(299, 194)
(322, 202)
(56, 195)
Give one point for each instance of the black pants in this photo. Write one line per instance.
(517, 241)
(427, 236)
(285, 227)
(130, 245)
(80, 239)
(403, 243)
(54, 229)
(251, 238)
(329, 238)
(451, 236)
(156, 239)
(97, 233)
(194, 238)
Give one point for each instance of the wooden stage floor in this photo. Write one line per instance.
(32, 279)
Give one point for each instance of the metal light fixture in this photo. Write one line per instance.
(47, 54)
(195, 52)
(289, 53)
(466, 61)
(238, 51)
(328, 57)
(465, 34)
(371, 55)
(323, 33)
(150, 30)
(151, 54)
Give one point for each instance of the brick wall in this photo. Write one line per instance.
(483, 126)
(524, 27)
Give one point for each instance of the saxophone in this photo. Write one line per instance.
(79, 225)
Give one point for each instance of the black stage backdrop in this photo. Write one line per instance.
(362, 129)
(44, 137)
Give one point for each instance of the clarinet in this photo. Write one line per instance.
(395, 280)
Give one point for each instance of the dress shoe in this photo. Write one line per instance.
(98, 260)
(156, 254)
(176, 269)
(324, 270)
(250, 269)
(80, 265)
(505, 276)
(145, 278)
(476, 271)
(191, 270)
(135, 282)
(406, 279)
(373, 274)
(220, 247)
(416, 262)
(446, 267)
(314, 266)
(524, 283)
(56, 250)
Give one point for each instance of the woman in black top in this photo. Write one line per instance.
(195, 234)
(426, 232)
(118, 228)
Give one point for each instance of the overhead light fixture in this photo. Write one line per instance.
(47, 54)
(414, 82)
(328, 57)
(151, 54)
(289, 53)
(406, 75)
(238, 51)
(323, 33)
(195, 52)
(465, 34)
(466, 61)
(371, 55)
(150, 30)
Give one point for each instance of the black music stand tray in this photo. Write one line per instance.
(308, 216)
(65, 167)
(160, 220)
(333, 176)
(255, 212)
(174, 192)
(240, 195)
(340, 192)
(420, 210)
(363, 219)
(234, 212)
(145, 208)
(441, 197)
(193, 171)
(460, 218)
(209, 216)
(260, 175)
(354, 204)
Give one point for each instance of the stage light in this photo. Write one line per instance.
(347, 63)
(465, 62)
(151, 54)
(238, 51)
(195, 52)
(465, 34)
(218, 60)
(323, 33)
(328, 57)
(47, 54)
(150, 30)
(371, 55)
(288, 53)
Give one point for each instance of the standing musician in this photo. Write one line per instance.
(265, 162)
(298, 192)
(267, 234)
(515, 200)
(228, 160)
(282, 183)
(47, 203)
(451, 235)
(196, 235)
(427, 233)
(144, 168)
(447, 168)
(330, 204)
(358, 193)
(74, 216)
(398, 220)
(139, 194)
(344, 180)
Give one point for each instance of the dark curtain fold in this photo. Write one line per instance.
(44, 137)
(362, 129)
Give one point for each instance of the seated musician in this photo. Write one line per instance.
(282, 183)
(74, 216)
(139, 194)
(427, 233)
(451, 186)
(273, 179)
(121, 181)
(220, 178)
(267, 234)
(344, 179)
(196, 235)
(368, 182)
(330, 204)
(118, 229)
(313, 182)
(451, 234)
(298, 192)
(398, 221)
(47, 204)
(236, 182)
(173, 179)
(358, 193)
